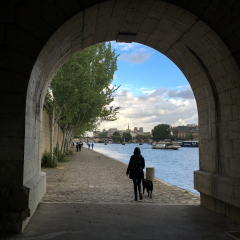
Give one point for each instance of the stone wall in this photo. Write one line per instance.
(200, 37)
(46, 133)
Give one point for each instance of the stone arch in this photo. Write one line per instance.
(191, 44)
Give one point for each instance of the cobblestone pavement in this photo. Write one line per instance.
(91, 177)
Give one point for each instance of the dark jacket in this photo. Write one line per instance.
(133, 174)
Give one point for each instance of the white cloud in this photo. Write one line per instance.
(186, 93)
(152, 108)
(135, 57)
(125, 46)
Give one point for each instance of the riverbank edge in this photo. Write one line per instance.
(156, 179)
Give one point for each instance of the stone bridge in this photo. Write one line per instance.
(38, 37)
(110, 139)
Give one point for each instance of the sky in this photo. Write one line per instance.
(153, 90)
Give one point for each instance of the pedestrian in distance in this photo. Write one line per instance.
(80, 146)
(77, 147)
(92, 146)
(89, 146)
(135, 171)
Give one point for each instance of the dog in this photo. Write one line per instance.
(148, 185)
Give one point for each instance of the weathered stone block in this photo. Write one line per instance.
(106, 8)
(158, 9)
(89, 29)
(234, 129)
(141, 37)
(206, 163)
(115, 24)
(148, 25)
(90, 14)
(151, 41)
(218, 70)
(120, 8)
(75, 25)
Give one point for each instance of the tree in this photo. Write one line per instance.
(189, 136)
(81, 91)
(143, 136)
(162, 131)
(127, 136)
(103, 134)
(117, 137)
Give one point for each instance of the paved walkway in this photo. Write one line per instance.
(90, 197)
(91, 177)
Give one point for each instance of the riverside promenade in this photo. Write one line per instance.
(91, 177)
(90, 197)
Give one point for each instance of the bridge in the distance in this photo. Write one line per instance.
(127, 140)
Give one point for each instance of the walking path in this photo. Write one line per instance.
(85, 197)
(91, 177)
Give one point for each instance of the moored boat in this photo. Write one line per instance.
(165, 145)
(189, 144)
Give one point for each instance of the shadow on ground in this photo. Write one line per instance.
(62, 221)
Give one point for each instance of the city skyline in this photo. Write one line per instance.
(138, 128)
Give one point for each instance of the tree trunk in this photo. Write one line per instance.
(52, 128)
(64, 138)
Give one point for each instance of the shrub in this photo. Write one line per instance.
(69, 152)
(61, 157)
(47, 160)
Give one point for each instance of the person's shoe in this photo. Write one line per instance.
(140, 196)
(135, 199)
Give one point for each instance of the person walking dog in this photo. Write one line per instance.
(135, 171)
(77, 146)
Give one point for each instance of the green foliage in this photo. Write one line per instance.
(82, 90)
(127, 136)
(58, 156)
(117, 137)
(116, 134)
(143, 136)
(82, 86)
(61, 157)
(69, 152)
(47, 160)
(103, 134)
(189, 136)
(162, 131)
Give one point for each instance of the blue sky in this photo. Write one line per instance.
(153, 90)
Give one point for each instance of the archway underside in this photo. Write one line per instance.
(193, 46)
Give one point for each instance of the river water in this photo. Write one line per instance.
(172, 166)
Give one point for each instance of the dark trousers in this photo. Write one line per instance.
(137, 185)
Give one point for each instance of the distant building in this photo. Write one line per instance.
(95, 134)
(111, 131)
(180, 132)
(133, 132)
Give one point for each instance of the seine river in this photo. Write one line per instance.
(172, 166)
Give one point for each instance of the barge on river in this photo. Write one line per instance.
(189, 144)
(165, 145)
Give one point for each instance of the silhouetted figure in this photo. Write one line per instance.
(135, 167)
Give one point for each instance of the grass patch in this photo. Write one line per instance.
(61, 157)
(69, 152)
(52, 162)
(48, 160)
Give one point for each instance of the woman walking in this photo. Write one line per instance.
(135, 167)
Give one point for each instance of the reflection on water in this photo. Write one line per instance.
(173, 166)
